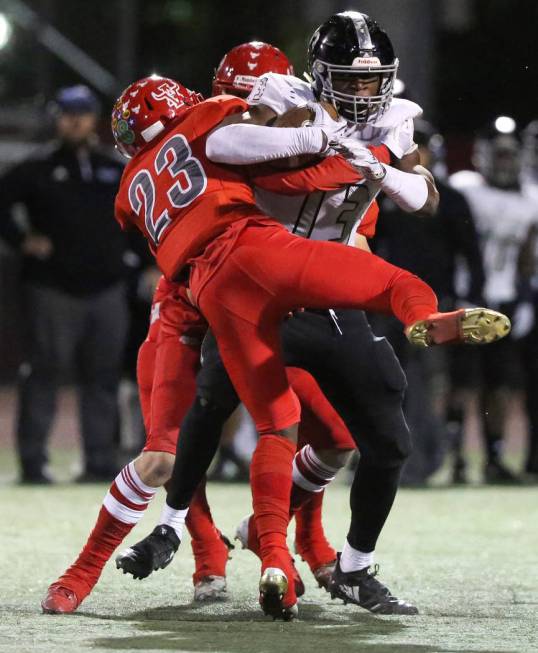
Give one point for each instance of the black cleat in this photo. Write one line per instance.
(363, 589)
(156, 551)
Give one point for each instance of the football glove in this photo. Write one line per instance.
(360, 158)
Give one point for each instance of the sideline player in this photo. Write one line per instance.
(507, 250)
(246, 272)
(167, 364)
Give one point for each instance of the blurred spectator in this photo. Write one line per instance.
(529, 179)
(505, 220)
(429, 247)
(73, 276)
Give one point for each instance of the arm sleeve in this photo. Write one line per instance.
(243, 144)
(330, 174)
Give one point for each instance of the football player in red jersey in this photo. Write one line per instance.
(167, 364)
(245, 272)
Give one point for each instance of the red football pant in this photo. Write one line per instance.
(248, 279)
(168, 361)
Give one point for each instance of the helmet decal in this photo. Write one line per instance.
(144, 108)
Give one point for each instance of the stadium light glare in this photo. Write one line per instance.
(505, 125)
(5, 31)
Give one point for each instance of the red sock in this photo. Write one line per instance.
(412, 299)
(105, 537)
(310, 540)
(122, 507)
(210, 552)
(270, 478)
(409, 298)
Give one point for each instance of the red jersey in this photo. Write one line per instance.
(176, 196)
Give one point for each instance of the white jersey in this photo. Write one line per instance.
(503, 219)
(334, 215)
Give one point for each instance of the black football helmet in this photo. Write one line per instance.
(351, 43)
(497, 153)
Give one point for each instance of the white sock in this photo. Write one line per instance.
(174, 518)
(352, 559)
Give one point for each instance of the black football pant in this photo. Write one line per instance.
(360, 376)
(85, 335)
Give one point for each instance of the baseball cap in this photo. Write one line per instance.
(77, 99)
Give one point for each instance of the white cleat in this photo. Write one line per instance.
(210, 588)
(241, 532)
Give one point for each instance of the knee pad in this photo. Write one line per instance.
(389, 444)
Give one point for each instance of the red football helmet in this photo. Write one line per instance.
(143, 109)
(240, 68)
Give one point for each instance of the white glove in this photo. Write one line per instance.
(360, 158)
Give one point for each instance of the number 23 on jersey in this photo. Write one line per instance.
(180, 178)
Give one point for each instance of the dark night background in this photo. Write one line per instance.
(465, 61)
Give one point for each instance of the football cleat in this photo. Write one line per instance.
(156, 551)
(210, 588)
(247, 539)
(59, 600)
(241, 534)
(470, 326)
(273, 587)
(324, 574)
(363, 589)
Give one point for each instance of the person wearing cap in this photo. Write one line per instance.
(73, 274)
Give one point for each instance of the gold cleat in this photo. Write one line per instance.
(470, 326)
(273, 587)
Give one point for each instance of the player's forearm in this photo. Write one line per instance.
(411, 191)
(241, 144)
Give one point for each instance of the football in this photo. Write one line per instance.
(300, 117)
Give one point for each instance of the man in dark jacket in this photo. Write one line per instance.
(73, 278)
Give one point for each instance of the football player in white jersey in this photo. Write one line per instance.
(506, 220)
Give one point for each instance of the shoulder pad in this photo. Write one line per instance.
(398, 112)
(280, 92)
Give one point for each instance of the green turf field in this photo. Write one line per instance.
(468, 557)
